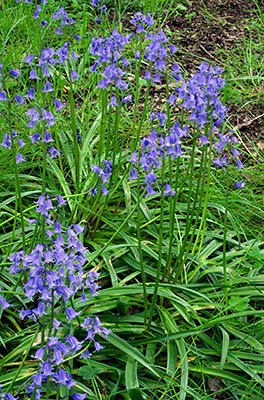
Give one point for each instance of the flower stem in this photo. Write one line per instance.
(155, 293)
(225, 234)
(143, 275)
(75, 139)
(17, 183)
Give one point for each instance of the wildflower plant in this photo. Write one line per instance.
(56, 278)
(97, 165)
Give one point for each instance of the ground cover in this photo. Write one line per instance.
(131, 200)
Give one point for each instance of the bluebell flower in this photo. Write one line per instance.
(150, 190)
(29, 59)
(53, 153)
(70, 313)
(15, 73)
(6, 141)
(78, 396)
(239, 164)
(30, 94)
(239, 184)
(74, 55)
(58, 31)
(168, 190)
(33, 74)
(204, 140)
(172, 99)
(74, 75)
(37, 11)
(19, 99)
(35, 138)
(60, 200)
(113, 102)
(48, 88)
(126, 99)
(2, 96)
(3, 302)
(19, 158)
(7, 396)
(58, 104)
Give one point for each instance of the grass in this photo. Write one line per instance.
(181, 277)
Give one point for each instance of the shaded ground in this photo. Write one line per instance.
(215, 31)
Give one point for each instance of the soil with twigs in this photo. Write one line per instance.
(215, 31)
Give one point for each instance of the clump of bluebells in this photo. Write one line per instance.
(98, 5)
(104, 174)
(157, 48)
(157, 52)
(154, 151)
(56, 276)
(108, 60)
(60, 15)
(142, 21)
(200, 95)
(225, 147)
(17, 99)
(55, 281)
(41, 118)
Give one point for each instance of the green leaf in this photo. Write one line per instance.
(225, 346)
(132, 380)
(256, 253)
(172, 328)
(132, 352)
(239, 303)
(88, 372)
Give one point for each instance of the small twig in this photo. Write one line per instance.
(211, 55)
(21, 386)
(239, 126)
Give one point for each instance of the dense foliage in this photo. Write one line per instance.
(129, 269)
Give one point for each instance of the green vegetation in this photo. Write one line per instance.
(176, 238)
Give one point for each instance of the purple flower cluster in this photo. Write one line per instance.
(56, 275)
(30, 2)
(7, 140)
(227, 153)
(108, 53)
(200, 94)
(48, 59)
(104, 174)
(153, 150)
(59, 15)
(97, 5)
(36, 15)
(40, 118)
(7, 143)
(158, 50)
(62, 16)
(142, 21)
